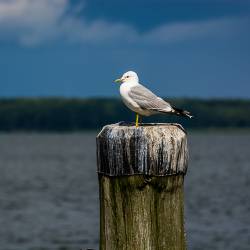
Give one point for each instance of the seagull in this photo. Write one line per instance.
(142, 101)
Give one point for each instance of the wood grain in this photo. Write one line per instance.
(152, 150)
(141, 174)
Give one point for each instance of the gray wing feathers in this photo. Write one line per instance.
(148, 100)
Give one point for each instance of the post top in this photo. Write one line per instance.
(152, 149)
(143, 126)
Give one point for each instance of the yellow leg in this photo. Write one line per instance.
(136, 120)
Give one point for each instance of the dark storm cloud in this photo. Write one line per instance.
(32, 22)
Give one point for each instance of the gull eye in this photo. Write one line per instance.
(127, 76)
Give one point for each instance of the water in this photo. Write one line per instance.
(49, 192)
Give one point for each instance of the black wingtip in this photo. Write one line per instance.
(183, 112)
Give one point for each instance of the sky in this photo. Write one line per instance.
(77, 48)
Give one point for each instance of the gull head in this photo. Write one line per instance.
(128, 77)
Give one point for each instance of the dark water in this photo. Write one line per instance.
(49, 192)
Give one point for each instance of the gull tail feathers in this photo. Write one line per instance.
(182, 112)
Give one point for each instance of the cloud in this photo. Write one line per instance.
(180, 31)
(34, 22)
(31, 21)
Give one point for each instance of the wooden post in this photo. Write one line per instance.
(141, 173)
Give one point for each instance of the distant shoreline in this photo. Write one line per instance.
(76, 115)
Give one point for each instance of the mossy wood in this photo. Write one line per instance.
(141, 174)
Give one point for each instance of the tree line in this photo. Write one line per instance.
(64, 114)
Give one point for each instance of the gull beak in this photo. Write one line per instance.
(118, 80)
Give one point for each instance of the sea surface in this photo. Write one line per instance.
(49, 191)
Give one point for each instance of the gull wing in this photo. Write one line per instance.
(148, 100)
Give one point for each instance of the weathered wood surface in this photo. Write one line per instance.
(150, 149)
(141, 174)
